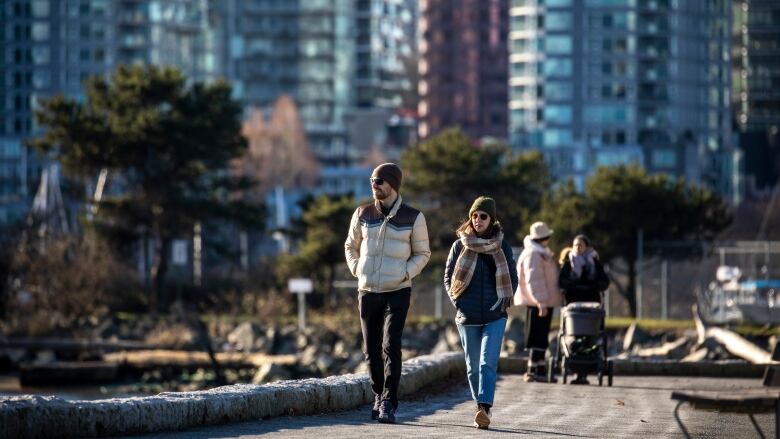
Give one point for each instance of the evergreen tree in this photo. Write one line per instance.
(168, 145)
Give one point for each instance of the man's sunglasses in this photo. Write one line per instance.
(377, 181)
(482, 216)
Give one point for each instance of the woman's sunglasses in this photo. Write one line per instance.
(482, 216)
(377, 181)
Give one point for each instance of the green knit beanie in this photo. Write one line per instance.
(485, 204)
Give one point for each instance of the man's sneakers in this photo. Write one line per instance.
(375, 408)
(386, 413)
(482, 418)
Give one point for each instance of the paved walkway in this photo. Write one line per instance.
(634, 407)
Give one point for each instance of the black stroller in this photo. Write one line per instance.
(582, 344)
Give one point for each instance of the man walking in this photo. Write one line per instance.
(387, 245)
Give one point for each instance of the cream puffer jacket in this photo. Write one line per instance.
(537, 275)
(385, 252)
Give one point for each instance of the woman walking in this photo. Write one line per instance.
(582, 276)
(480, 281)
(538, 290)
(582, 279)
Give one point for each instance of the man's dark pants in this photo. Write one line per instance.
(382, 319)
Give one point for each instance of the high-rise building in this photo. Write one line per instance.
(52, 46)
(385, 50)
(601, 82)
(756, 80)
(302, 49)
(463, 67)
(334, 58)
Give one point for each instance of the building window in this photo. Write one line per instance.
(557, 67)
(40, 55)
(556, 3)
(664, 158)
(558, 91)
(558, 21)
(40, 8)
(610, 3)
(40, 31)
(41, 79)
(557, 44)
(557, 114)
(555, 138)
(607, 114)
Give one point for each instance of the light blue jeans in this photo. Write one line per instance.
(482, 346)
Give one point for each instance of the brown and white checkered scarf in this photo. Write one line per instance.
(467, 260)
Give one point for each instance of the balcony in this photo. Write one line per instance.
(133, 18)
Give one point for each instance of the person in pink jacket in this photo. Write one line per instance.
(537, 289)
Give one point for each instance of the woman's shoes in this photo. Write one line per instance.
(529, 377)
(482, 418)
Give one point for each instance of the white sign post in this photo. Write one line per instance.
(300, 286)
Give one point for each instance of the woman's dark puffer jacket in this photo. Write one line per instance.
(474, 304)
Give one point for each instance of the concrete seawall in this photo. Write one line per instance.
(52, 417)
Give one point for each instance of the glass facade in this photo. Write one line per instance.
(52, 46)
(755, 75)
(595, 78)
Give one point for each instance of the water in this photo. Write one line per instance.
(10, 386)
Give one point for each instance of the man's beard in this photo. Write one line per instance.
(380, 195)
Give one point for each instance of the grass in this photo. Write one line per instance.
(672, 325)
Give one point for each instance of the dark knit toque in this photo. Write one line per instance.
(391, 173)
(485, 204)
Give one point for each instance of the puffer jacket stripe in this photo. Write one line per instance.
(385, 252)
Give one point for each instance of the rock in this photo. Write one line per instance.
(243, 337)
(309, 356)
(340, 350)
(453, 338)
(301, 341)
(262, 344)
(45, 356)
(441, 347)
(514, 336)
(353, 363)
(285, 341)
(362, 367)
(270, 372)
(325, 364)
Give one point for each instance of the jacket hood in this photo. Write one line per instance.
(529, 244)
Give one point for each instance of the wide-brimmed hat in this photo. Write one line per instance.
(539, 230)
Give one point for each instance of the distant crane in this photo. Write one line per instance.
(47, 218)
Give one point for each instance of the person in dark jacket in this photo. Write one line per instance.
(582, 277)
(480, 282)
